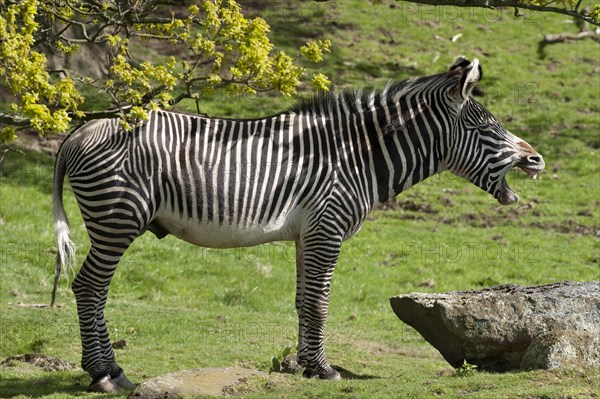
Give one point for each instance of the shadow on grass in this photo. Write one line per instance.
(32, 169)
(40, 385)
(301, 22)
(348, 375)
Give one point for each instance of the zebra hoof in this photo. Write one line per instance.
(327, 374)
(122, 381)
(104, 385)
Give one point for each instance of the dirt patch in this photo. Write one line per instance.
(47, 363)
(487, 221)
(375, 348)
(258, 383)
(378, 348)
(406, 205)
(415, 210)
(570, 227)
(120, 344)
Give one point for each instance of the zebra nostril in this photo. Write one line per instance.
(535, 159)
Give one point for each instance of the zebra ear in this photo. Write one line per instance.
(471, 73)
(460, 62)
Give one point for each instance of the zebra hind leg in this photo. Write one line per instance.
(319, 257)
(91, 290)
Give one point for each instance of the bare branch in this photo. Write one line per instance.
(507, 3)
(565, 37)
(15, 120)
(7, 148)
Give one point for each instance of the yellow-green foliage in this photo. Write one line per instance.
(563, 3)
(568, 5)
(46, 104)
(225, 49)
(595, 15)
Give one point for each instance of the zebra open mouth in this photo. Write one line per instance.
(506, 195)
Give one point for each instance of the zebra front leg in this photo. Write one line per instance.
(319, 257)
(91, 290)
(300, 298)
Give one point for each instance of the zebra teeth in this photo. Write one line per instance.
(533, 174)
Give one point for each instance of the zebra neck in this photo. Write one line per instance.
(406, 145)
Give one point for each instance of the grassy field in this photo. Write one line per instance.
(179, 306)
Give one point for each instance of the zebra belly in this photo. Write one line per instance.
(214, 235)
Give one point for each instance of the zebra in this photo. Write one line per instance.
(310, 174)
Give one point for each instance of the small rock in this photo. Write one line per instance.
(195, 382)
(289, 365)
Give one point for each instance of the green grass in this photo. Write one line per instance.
(180, 306)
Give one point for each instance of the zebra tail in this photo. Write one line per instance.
(65, 255)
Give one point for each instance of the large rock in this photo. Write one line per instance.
(185, 383)
(510, 326)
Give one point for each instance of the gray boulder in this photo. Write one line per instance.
(510, 326)
(195, 382)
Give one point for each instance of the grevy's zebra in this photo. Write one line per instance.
(310, 174)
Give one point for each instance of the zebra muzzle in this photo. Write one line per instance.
(532, 165)
(531, 162)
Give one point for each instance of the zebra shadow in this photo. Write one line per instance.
(349, 375)
(37, 386)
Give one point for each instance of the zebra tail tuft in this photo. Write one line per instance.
(65, 256)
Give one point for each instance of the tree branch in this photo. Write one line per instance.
(7, 148)
(110, 113)
(14, 120)
(565, 37)
(508, 3)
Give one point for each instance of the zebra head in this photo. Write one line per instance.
(480, 149)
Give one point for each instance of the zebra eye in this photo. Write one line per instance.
(479, 126)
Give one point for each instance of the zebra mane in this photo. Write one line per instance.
(324, 100)
(356, 99)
